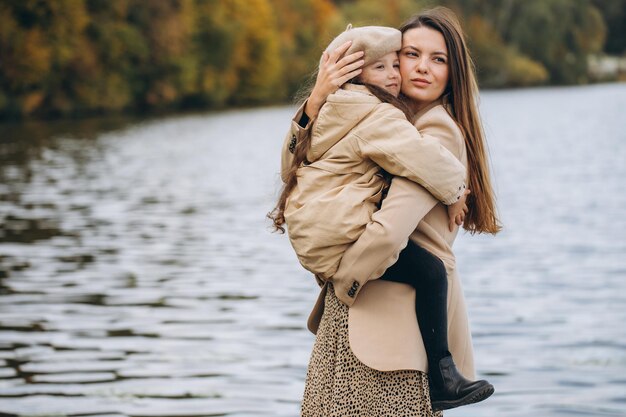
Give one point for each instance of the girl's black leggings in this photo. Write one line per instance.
(427, 274)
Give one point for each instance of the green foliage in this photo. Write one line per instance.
(558, 34)
(76, 57)
(614, 15)
(498, 64)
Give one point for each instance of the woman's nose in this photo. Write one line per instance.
(422, 65)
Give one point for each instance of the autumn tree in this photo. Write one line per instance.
(558, 34)
(77, 57)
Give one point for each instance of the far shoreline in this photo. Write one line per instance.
(154, 114)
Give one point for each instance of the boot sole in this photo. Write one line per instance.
(471, 398)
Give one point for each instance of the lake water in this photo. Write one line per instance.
(138, 276)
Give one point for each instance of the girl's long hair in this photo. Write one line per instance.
(462, 96)
(277, 215)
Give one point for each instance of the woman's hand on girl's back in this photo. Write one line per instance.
(334, 71)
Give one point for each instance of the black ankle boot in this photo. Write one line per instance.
(450, 389)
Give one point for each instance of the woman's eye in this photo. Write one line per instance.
(411, 54)
(441, 60)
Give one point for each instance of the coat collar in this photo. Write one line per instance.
(357, 87)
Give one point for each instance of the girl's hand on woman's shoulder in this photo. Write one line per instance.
(334, 71)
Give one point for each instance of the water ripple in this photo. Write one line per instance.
(138, 276)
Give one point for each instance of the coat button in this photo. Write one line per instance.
(292, 143)
(353, 288)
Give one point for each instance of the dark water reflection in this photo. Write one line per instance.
(138, 278)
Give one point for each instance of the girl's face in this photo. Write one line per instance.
(423, 66)
(384, 73)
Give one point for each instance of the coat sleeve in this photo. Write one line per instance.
(384, 237)
(388, 139)
(295, 134)
(406, 204)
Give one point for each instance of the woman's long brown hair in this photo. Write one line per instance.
(277, 215)
(462, 96)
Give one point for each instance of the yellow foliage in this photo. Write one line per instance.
(162, 92)
(323, 12)
(523, 71)
(373, 12)
(171, 27)
(68, 22)
(305, 27)
(255, 59)
(32, 101)
(29, 60)
(25, 54)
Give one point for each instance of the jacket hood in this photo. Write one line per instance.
(343, 110)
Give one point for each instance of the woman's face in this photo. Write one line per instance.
(423, 66)
(384, 73)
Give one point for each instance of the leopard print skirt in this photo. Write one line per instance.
(339, 385)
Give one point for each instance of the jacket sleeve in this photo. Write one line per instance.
(384, 237)
(388, 139)
(295, 134)
(406, 204)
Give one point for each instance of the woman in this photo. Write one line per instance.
(388, 377)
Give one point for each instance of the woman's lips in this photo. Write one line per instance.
(420, 82)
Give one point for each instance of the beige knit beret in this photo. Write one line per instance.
(375, 41)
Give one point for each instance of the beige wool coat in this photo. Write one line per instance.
(383, 329)
(340, 185)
